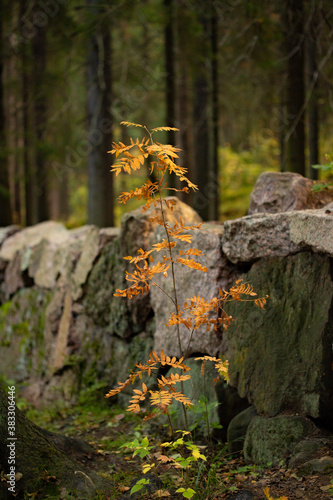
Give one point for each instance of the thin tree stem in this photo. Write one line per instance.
(175, 301)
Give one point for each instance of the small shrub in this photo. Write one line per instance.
(193, 314)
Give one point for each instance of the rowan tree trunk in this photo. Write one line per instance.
(44, 459)
(100, 180)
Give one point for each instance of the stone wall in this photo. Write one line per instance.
(61, 328)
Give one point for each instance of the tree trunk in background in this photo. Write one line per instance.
(170, 82)
(10, 78)
(183, 104)
(30, 192)
(39, 68)
(5, 211)
(312, 85)
(293, 25)
(214, 205)
(201, 118)
(185, 126)
(100, 180)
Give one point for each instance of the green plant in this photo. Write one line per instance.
(195, 312)
(327, 169)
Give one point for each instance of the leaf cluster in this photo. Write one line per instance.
(196, 311)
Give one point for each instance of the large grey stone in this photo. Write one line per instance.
(42, 267)
(91, 248)
(51, 231)
(305, 450)
(129, 317)
(280, 358)
(107, 275)
(189, 283)
(13, 279)
(274, 439)
(5, 232)
(322, 464)
(256, 236)
(286, 191)
(277, 235)
(313, 229)
(136, 228)
(22, 323)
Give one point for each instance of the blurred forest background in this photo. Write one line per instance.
(249, 83)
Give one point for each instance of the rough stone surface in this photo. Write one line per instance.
(190, 283)
(91, 248)
(107, 234)
(280, 358)
(41, 264)
(5, 232)
(107, 311)
(22, 322)
(136, 231)
(13, 279)
(313, 229)
(61, 328)
(322, 464)
(274, 439)
(257, 236)
(304, 450)
(31, 236)
(285, 191)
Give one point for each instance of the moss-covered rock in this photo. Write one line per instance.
(43, 463)
(107, 275)
(22, 322)
(274, 439)
(280, 358)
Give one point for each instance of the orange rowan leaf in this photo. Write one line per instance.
(130, 124)
(163, 458)
(155, 355)
(166, 129)
(160, 398)
(192, 264)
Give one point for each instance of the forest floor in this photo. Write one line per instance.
(222, 476)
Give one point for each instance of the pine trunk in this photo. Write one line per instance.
(202, 121)
(293, 24)
(39, 69)
(100, 180)
(313, 114)
(5, 211)
(214, 204)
